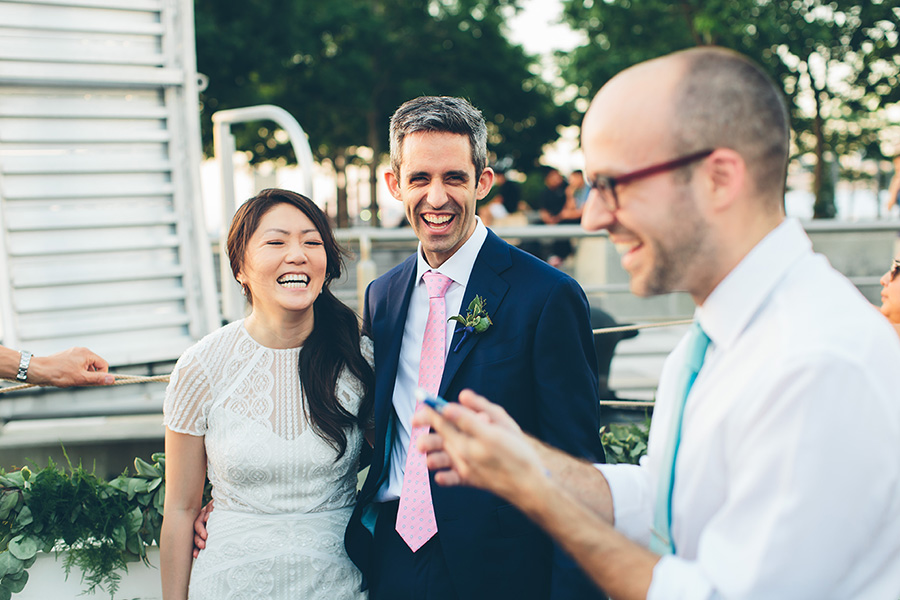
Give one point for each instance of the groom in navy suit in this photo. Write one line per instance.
(536, 360)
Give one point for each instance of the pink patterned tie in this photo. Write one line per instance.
(415, 516)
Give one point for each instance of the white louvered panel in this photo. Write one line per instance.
(87, 20)
(99, 159)
(64, 103)
(121, 320)
(156, 344)
(87, 186)
(56, 297)
(141, 265)
(76, 47)
(60, 163)
(71, 131)
(87, 241)
(151, 5)
(58, 73)
(49, 215)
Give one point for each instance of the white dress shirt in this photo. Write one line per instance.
(787, 482)
(458, 268)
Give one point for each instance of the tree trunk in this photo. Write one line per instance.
(340, 166)
(823, 207)
(375, 145)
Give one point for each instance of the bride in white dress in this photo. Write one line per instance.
(272, 408)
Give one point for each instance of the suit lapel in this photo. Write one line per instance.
(485, 281)
(390, 329)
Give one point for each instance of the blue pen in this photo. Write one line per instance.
(432, 400)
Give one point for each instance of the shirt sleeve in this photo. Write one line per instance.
(783, 529)
(188, 397)
(632, 495)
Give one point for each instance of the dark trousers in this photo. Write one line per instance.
(398, 573)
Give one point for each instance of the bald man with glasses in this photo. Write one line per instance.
(745, 491)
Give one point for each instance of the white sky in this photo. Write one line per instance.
(537, 27)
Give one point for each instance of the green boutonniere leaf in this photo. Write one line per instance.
(476, 319)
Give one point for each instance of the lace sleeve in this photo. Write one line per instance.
(188, 397)
(367, 349)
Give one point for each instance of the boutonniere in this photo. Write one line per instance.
(475, 321)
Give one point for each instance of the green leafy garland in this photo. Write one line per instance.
(106, 525)
(103, 525)
(625, 443)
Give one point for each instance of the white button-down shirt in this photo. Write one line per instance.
(787, 482)
(458, 268)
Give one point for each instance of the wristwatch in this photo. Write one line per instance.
(22, 375)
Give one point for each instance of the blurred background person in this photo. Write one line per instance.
(506, 207)
(890, 294)
(551, 211)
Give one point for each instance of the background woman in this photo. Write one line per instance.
(890, 294)
(272, 407)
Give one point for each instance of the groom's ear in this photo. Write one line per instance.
(485, 183)
(393, 184)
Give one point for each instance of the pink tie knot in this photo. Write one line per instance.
(436, 283)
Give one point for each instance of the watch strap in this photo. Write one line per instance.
(24, 361)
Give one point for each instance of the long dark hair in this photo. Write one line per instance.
(333, 343)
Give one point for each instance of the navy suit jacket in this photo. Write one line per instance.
(537, 361)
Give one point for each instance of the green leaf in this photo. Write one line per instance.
(120, 483)
(473, 305)
(119, 536)
(135, 519)
(5, 592)
(14, 479)
(16, 583)
(7, 503)
(458, 319)
(159, 498)
(154, 483)
(24, 547)
(23, 519)
(134, 545)
(481, 324)
(9, 564)
(145, 469)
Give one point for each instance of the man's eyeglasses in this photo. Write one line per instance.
(606, 185)
(895, 269)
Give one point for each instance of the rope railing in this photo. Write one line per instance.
(121, 379)
(125, 379)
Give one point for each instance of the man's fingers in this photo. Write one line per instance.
(430, 442)
(481, 405)
(98, 378)
(447, 478)
(457, 419)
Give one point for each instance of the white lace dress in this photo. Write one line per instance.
(281, 501)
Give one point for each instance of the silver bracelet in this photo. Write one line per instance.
(24, 361)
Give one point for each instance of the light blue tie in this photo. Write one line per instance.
(661, 540)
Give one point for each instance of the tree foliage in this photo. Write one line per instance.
(342, 68)
(837, 61)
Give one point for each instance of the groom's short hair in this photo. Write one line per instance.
(439, 114)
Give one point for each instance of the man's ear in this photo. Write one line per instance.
(485, 182)
(392, 183)
(725, 177)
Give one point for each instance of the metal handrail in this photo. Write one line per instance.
(367, 236)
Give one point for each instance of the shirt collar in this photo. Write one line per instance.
(737, 299)
(459, 266)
